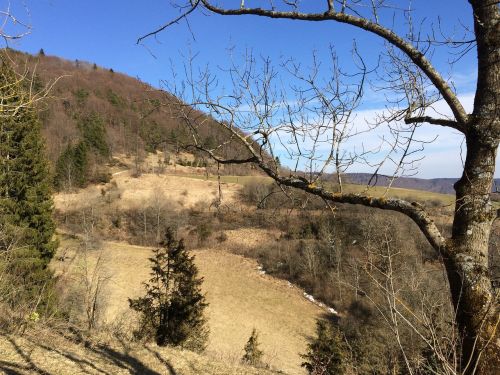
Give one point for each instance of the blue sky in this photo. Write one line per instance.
(105, 32)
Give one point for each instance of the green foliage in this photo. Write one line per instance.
(172, 309)
(37, 84)
(25, 195)
(73, 165)
(94, 133)
(115, 99)
(81, 96)
(253, 355)
(326, 351)
(26, 225)
(26, 285)
(153, 135)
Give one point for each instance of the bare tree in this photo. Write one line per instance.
(11, 26)
(257, 116)
(94, 278)
(390, 277)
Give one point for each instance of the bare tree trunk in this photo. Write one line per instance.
(473, 295)
(468, 272)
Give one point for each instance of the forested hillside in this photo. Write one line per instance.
(92, 113)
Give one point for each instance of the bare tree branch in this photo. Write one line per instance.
(184, 15)
(413, 53)
(434, 121)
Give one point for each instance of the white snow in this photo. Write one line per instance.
(310, 298)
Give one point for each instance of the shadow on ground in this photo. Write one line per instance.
(33, 356)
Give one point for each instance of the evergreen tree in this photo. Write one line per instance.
(326, 351)
(253, 355)
(74, 165)
(172, 309)
(25, 195)
(94, 133)
(71, 167)
(26, 225)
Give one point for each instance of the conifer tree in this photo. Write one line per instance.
(326, 351)
(25, 194)
(253, 355)
(172, 309)
(26, 225)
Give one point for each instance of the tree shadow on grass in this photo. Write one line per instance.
(124, 360)
(170, 368)
(81, 362)
(9, 368)
(107, 354)
(30, 365)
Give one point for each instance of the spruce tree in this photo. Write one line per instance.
(253, 355)
(172, 308)
(25, 194)
(326, 351)
(26, 225)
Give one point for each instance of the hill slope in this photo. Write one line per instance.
(240, 298)
(44, 352)
(109, 111)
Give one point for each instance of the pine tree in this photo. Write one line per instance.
(74, 165)
(26, 225)
(253, 355)
(172, 309)
(326, 351)
(25, 194)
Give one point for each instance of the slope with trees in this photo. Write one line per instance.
(412, 77)
(94, 113)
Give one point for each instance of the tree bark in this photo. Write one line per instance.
(475, 300)
(473, 297)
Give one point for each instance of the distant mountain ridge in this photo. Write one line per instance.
(436, 185)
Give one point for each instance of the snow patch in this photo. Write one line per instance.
(261, 270)
(310, 298)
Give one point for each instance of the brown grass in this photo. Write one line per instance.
(43, 352)
(135, 192)
(240, 299)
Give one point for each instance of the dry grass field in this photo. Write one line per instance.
(240, 297)
(43, 352)
(184, 192)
